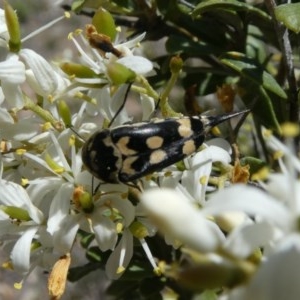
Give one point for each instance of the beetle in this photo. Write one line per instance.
(128, 152)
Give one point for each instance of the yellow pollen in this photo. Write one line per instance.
(278, 154)
(50, 98)
(267, 133)
(290, 129)
(120, 270)
(157, 271)
(78, 31)
(46, 126)
(119, 227)
(24, 181)
(262, 174)
(18, 285)
(72, 140)
(203, 180)
(7, 265)
(20, 151)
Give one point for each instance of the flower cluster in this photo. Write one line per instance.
(46, 194)
(254, 218)
(206, 209)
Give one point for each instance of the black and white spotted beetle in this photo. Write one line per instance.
(128, 152)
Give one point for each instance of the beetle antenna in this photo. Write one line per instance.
(122, 105)
(212, 121)
(77, 134)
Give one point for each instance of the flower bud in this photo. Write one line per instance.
(77, 70)
(138, 230)
(86, 202)
(104, 23)
(65, 113)
(176, 64)
(119, 74)
(13, 27)
(16, 213)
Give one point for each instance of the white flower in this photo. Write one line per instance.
(4, 36)
(91, 58)
(277, 277)
(23, 221)
(12, 71)
(108, 105)
(12, 75)
(199, 166)
(276, 213)
(181, 220)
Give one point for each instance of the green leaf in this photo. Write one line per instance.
(112, 6)
(264, 107)
(254, 84)
(151, 287)
(255, 163)
(250, 69)
(94, 254)
(227, 4)
(86, 238)
(289, 15)
(179, 44)
(120, 289)
(77, 273)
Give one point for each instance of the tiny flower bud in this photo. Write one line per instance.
(210, 271)
(104, 23)
(16, 213)
(83, 200)
(176, 64)
(13, 27)
(119, 74)
(86, 202)
(53, 165)
(77, 70)
(138, 230)
(65, 113)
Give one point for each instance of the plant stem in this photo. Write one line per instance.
(286, 49)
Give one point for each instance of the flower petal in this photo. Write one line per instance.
(12, 194)
(120, 257)
(105, 232)
(169, 211)
(249, 237)
(137, 64)
(251, 201)
(20, 254)
(43, 72)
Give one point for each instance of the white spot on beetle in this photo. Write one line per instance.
(157, 156)
(185, 129)
(123, 148)
(188, 147)
(154, 142)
